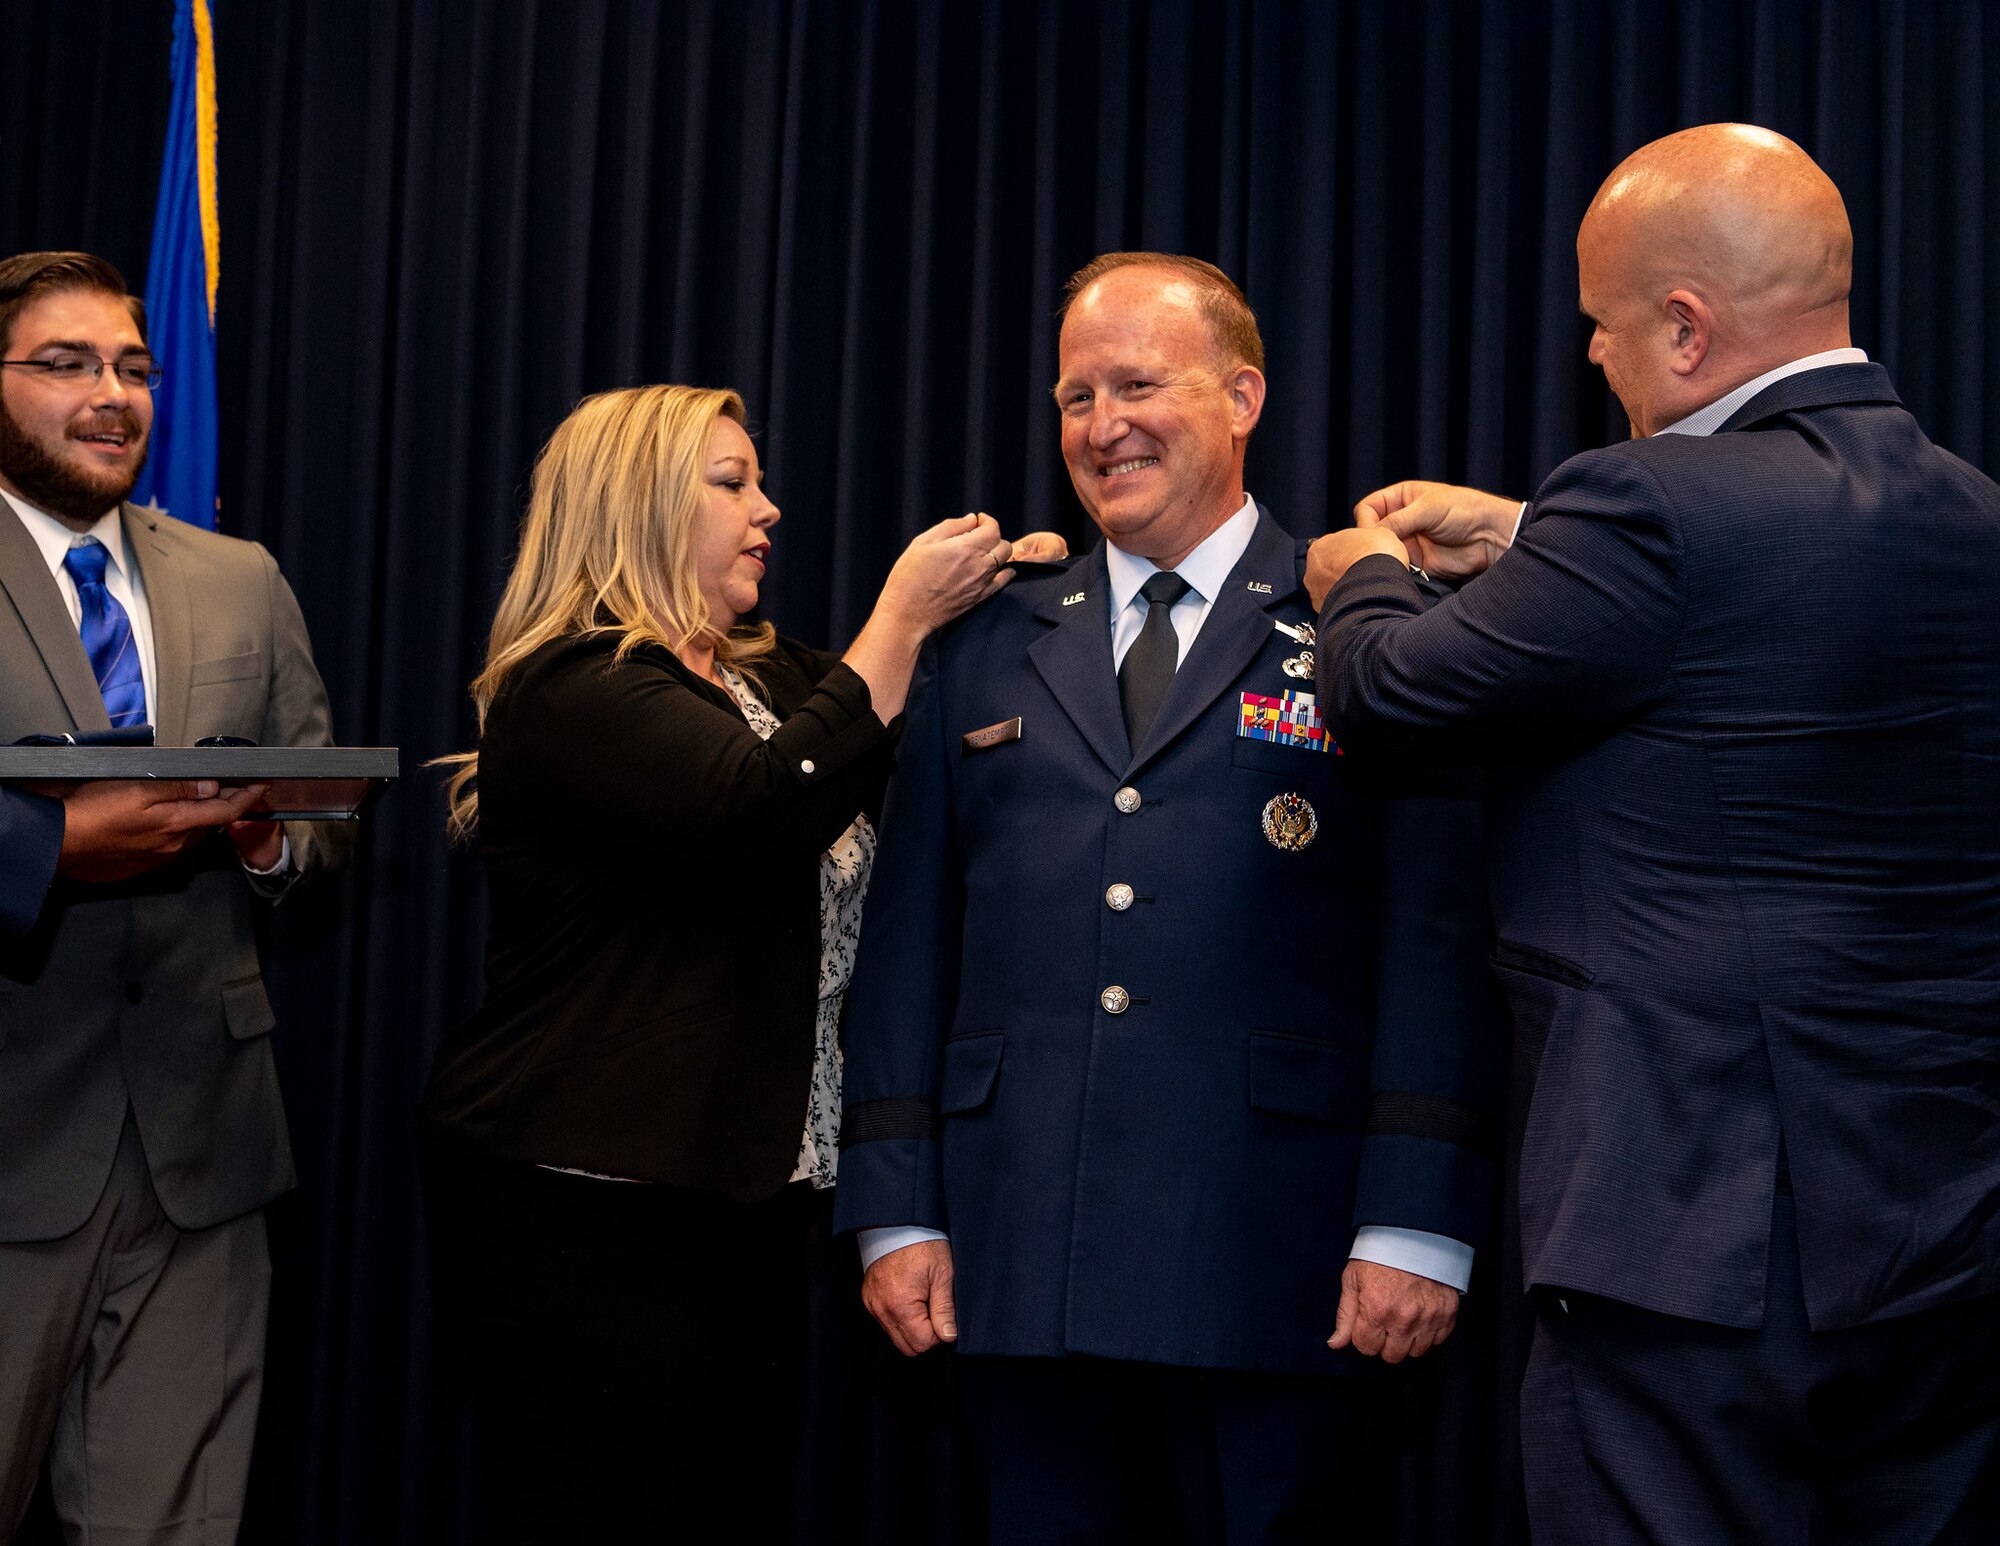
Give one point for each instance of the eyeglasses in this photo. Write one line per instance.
(78, 370)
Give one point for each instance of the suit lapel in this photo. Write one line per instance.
(32, 589)
(173, 622)
(1238, 625)
(1074, 659)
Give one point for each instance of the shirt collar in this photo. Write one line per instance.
(1206, 568)
(1706, 421)
(55, 539)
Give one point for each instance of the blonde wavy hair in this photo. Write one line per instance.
(608, 547)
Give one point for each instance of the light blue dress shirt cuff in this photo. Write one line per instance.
(1437, 1257)
(1520, 515)
(878, 1243)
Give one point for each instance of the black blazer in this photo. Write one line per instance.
(1740, 698)
(652, 963)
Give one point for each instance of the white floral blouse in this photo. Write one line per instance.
(843, 884)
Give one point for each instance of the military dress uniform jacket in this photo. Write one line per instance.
(1147, 1065)
(148, 991)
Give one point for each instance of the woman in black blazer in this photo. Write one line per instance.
(673, 813)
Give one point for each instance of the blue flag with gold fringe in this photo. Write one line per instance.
(180, 284)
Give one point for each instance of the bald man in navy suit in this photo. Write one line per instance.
(1736, 683)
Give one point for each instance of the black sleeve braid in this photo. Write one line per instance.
(1418, 1115)
(899, 1116)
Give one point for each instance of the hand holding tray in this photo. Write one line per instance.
(306, 783)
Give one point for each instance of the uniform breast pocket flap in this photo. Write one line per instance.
(1285, 761)
(971, 1068)
(1316, 1081)
(226, 668)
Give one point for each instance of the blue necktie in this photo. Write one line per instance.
(107, 637)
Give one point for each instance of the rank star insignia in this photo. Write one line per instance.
(1290, 823)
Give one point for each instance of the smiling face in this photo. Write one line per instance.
(732, 541)
(72, 451)
(1154, 423)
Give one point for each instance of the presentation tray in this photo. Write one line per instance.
(307, 783)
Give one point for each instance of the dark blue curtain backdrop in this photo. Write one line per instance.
(444, 222)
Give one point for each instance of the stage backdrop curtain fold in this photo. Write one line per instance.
(449, 221)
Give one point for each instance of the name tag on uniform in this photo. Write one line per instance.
(992, 736)
(1291, 720)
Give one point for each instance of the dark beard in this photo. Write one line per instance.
(69, 495)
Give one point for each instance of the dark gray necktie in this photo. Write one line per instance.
(1148, 670)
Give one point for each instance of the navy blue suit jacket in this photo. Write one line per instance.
(1311, 1043)
(1739, 697)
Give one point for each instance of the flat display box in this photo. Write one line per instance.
(308, 783)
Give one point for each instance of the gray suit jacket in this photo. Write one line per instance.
(148, 992)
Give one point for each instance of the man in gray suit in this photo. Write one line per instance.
(140, 1126)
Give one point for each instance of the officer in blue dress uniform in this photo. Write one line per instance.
(1172, 1065)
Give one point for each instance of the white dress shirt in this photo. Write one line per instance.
(1438, 1257)
(1205, 570)
(121, 578)
(1706, 421)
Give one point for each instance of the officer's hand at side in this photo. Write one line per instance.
(114, 829)
(1390, 1314)
(909, 1292)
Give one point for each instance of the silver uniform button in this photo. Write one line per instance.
(1119, 897)
(806, 766)
(1127, 800)
(1115, 1000)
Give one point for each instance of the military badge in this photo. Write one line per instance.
(1299, 666)
(1290, 823)
(1293, 720)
